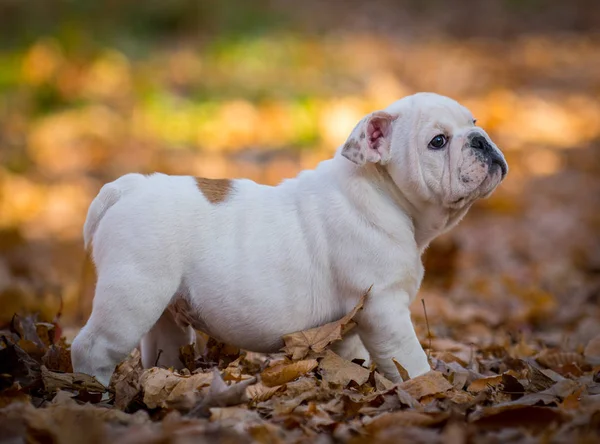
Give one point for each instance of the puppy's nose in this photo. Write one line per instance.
(479, 142)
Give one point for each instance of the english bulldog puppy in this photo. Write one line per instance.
(248, 263)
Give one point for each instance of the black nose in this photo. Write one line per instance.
(479, 142)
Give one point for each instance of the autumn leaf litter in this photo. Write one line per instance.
(303, 394)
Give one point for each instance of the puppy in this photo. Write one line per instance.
(248, 263)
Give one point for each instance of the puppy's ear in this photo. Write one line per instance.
(371, 139)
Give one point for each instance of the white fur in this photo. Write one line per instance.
(273, 260)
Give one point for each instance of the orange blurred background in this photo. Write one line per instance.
(264, 89)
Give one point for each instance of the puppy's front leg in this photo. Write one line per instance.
(387, 332)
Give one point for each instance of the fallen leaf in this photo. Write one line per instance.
(54, 381)
(260, 392)
(162, 387)
(58, 359)
(26, 328)
(190, 386)
(403, 373)
(554, 359)
(187, 356)
(404, 418)
(336, 370)
(538, 380)
(592, 351)
(531, 417)
(382, 383)
(485, 383)
(572, 401)
(406, 399)
(301, 385)
(455, 433)
(266, 433)
(126, 380)
(222, 395)
(462, 351)
(285, 372)
(46, 332)
(12, 395)
(430, 383)
(298, 344)
(157, 384)
(233, 415)
(456, 373)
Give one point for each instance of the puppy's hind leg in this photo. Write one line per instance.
(160, 346)
(129, 300)
(351, 347)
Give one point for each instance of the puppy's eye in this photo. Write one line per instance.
(438, 142)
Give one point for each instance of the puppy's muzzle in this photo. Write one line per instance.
(485, 149)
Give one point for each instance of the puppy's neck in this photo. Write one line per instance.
(429, 219)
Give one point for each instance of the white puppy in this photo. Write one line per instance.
(249, 263)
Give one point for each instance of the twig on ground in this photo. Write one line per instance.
(158, 357)
(428, 330)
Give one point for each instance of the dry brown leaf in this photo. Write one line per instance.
(558, 360)
(448, 357)
(157, 383)
(592, 351)
(287, 402)
(126, 380)
(187, 356)
(430, 383)
(572, 401)
(222, 395)
(298, 344)
(405, 418)
(538, 380)
(46, 332)
(336, 370)
(514, 415)
(12, 395)
(70, 381)
(260, 392)
(190, 384)
(459, 397)
(266, 433)
(58, 359)
(455, 433)
(25, 327)
(302, 385)
(485, 383)
(522, 350)
(462, 351)
(406, 399)
(403, 373)
(458, 375)
(233, 415)
(65, 422)
(382, 384)
(285, 372)
(163, 386)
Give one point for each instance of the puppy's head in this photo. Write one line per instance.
(431, 148)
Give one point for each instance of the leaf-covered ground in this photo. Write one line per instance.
(498, 375)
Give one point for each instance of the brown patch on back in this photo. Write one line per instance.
(215, 190)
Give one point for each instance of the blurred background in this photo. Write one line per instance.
(93, 90)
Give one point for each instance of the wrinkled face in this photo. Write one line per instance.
(432, 149)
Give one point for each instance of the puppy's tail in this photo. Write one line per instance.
(108, 196)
